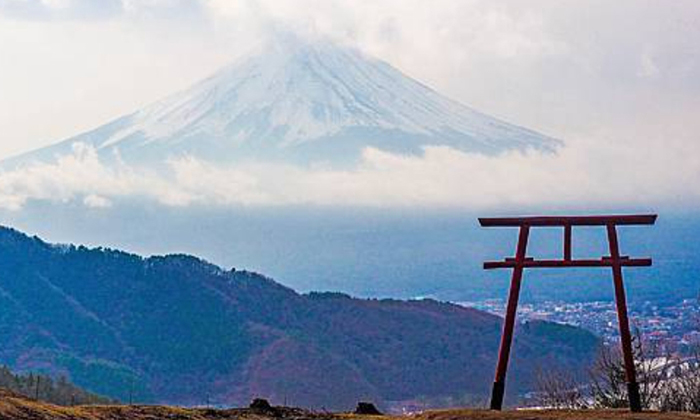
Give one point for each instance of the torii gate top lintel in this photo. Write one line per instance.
(639, 219)
(567, 222)
(521, 261)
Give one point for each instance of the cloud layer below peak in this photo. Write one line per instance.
(577, 177)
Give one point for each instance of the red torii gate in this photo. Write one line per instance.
(615, 261)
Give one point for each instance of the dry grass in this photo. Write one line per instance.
(459, 414)
(15, 407)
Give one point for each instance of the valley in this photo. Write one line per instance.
(670, 328)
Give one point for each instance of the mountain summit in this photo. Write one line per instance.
(300, 101)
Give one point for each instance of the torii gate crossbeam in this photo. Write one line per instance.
(615, 261)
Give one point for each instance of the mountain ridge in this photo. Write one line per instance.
(176, 329)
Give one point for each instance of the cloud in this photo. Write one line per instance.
(579, 176)
(77, 176)
(647, 67)
(96, 201)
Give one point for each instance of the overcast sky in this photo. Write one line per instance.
(603, 75)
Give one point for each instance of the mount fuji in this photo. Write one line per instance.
(299, 102)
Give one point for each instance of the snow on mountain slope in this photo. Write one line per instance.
(297, 101)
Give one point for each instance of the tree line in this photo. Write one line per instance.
(59, 391)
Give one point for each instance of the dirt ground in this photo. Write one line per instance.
(14, 407)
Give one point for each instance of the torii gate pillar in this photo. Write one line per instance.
(615, 261)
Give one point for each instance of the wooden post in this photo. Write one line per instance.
(567, 243)
(499, 384)
(623, 321)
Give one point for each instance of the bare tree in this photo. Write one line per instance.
(608, 386)
(558, 389)
(690, 384)
(653, 370)
(681, 391)
(608, 378)
(665, 383)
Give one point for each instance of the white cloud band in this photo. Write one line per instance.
(579, 176)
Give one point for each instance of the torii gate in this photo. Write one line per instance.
(615, 261)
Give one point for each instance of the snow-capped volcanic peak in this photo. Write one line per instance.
(308, 101)
(297, 92)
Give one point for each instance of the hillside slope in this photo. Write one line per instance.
(177, 329)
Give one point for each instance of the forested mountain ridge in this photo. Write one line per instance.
(178, 329)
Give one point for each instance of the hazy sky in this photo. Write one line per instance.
(614, 79)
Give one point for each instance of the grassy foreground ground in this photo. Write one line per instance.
(16, 407)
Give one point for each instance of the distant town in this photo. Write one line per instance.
(672, 329)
